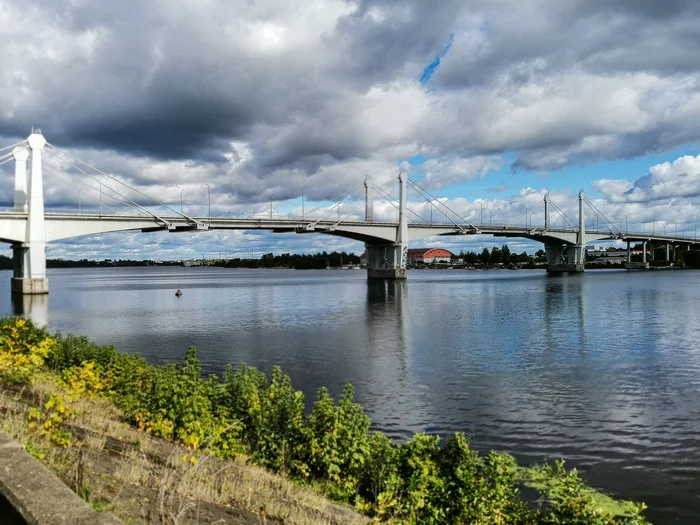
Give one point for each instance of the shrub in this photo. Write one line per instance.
(338, 439)
(23, 349)
(415, 482)
(271, 416)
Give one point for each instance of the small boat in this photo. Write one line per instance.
(179, 292)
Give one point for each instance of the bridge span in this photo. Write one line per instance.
(29, 227)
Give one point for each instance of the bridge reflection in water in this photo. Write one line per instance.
(34, 307)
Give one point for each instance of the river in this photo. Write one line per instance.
(602, 369)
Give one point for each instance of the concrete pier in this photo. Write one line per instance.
(389, 261)
(568, 258)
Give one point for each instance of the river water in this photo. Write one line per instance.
(602, 369)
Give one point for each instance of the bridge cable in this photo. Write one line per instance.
(563, 214)
(350, 212)
(328, 201)
(55, 175)
(348, 193)
(129, 187)
(20, 143)
(102, 186)
(423, 192)
(156, 216)
(120, 198)
(600, 214)
(396, 204)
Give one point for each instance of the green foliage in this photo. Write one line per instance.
(566, 499)
(416, 482)
(50, 418)
(338, 442)
(23, 350)
(271, 415)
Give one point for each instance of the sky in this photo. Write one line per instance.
(488, 104)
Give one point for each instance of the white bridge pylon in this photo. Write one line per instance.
(28, 228)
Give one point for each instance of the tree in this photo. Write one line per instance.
(485, 257)
(505, 254)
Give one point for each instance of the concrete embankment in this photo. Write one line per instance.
(30, 494)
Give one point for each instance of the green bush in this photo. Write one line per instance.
(416, 482)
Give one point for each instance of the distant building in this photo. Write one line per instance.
(429, 255)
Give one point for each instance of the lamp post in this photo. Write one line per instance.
(271, 196)
(209, 195)
(183, 189)
(80, 202)
(302, 204)
(626, 230)
(481, 207)
(490, 221)
(525, 216)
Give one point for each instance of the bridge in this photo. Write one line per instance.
(29, 227)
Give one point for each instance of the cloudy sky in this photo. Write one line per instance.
(489, 104)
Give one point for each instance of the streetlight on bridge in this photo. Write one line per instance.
(302, 204)
(271, 196)
(80, 202)
(209, 194)
(181, 190)
(525, 215)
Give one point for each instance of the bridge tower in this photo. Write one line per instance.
(29, 257)
(388, 261)
(568, 258)
(369, 200)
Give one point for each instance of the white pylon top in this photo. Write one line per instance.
(20, 153)
(36, 140)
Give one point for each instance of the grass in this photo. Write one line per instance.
(142, 479)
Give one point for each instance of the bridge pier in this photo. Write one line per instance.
(29, 257)
(385, 261)
(389, 261)
(564, 259)
(570, 258)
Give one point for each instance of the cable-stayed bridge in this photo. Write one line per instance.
(29, 226)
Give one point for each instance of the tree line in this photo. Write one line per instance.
(501, 255)
(317, 261)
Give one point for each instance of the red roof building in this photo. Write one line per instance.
(429, 255)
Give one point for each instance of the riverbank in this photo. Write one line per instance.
(178, 443)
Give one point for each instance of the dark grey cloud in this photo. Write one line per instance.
(318, 93)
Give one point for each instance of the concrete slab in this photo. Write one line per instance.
(38, 495)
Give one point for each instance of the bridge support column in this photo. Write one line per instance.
(29, 258)
(629, 253)
(667, 253)
(563, 259)
(644, 252)
(569, 259)
(388, 261)
(384, 261)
